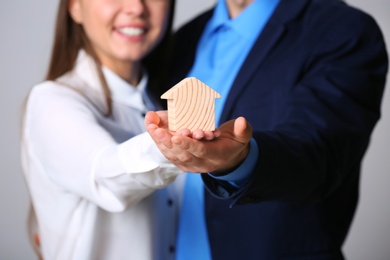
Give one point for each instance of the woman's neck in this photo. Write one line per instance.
(130, 72)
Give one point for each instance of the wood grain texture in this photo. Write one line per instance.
(191, 104)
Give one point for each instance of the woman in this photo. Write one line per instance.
(97, 182)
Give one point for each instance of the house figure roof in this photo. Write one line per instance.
(191, 104)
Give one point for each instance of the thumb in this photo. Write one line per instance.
(242, 130)
(152, 117)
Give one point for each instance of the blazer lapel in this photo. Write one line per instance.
(284, 13)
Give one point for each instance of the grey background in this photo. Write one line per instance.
(26, 34)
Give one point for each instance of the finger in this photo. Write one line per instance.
(183, 132)
(160, 136)
(164, 137)
(198, 134)
(205, 135)
(152, 117)
(217, 133)
(163, 115)
(189, 162)
(151, 129)
(209, 135)
(189, 145)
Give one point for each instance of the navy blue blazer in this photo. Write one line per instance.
(311, 87)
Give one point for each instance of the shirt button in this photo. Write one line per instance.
(170, 202)
(171, 249)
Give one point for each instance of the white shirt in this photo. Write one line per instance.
(97, 183)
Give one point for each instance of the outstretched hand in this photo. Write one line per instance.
(219, 151)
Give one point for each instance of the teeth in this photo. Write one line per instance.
(131, 31)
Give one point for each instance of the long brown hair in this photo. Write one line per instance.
(69, 39)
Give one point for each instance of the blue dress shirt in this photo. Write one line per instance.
(223, 47)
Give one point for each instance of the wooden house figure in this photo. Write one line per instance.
(191, 104)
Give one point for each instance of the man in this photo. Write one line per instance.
(308, 78)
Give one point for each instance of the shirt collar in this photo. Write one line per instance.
(220, 16)
(124, 92)
(85, 78)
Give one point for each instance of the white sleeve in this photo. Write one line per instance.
(80, 156)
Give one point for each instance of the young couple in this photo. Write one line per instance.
(301, 84)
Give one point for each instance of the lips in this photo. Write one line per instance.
(131, 31)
